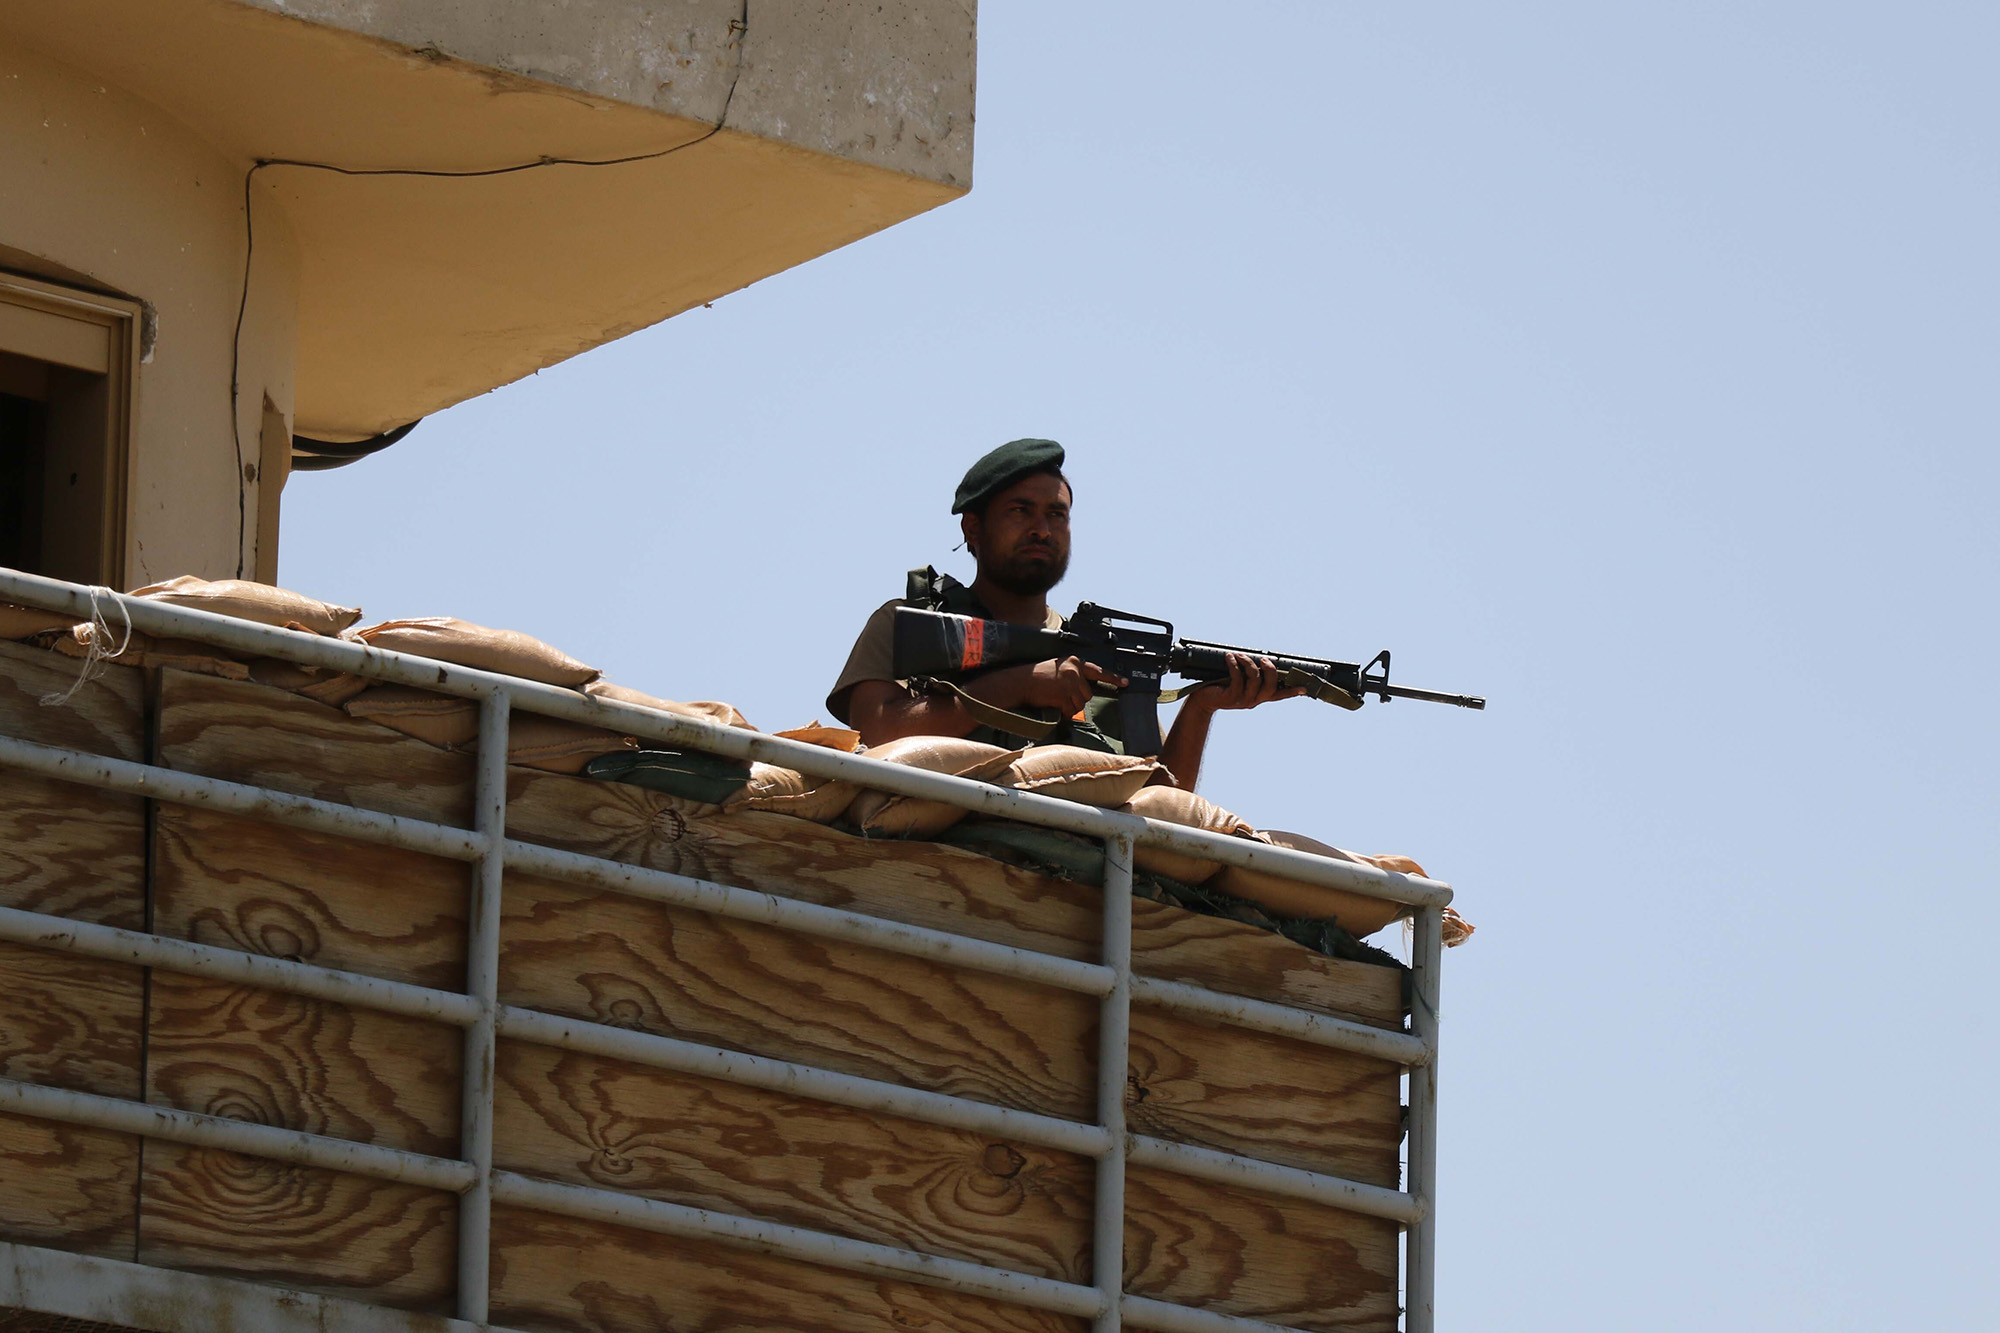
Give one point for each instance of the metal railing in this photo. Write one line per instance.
(477, 1010)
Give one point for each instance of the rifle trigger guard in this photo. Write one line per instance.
(1371, 682)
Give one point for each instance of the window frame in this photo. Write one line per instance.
(98, 334)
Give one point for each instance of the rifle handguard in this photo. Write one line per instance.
(1291, 678)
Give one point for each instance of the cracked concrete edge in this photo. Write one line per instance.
(887, 83)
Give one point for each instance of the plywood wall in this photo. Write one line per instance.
(581, 952)
(65, 1020)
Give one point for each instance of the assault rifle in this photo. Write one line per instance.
(935, 646)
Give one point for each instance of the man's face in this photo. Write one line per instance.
(1021, 541)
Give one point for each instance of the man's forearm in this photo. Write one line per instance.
(902, 714)
(1186, 740)
(918, 715)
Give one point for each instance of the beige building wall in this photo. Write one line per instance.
(444, 196)
(102, 190)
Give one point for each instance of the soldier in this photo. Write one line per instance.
(1014, 509)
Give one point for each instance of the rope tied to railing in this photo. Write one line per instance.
(94, 654)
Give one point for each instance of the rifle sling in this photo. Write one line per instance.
(990, 715)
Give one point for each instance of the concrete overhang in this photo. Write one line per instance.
(645, 156)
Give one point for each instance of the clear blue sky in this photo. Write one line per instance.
(1631, 365)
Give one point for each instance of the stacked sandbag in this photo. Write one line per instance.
(462, 643)
(1171, 805)
(703, 710)
(321, 684)
(1072, 773)
(450, 723)
(786, 791)
(264, 604)
(127, 647)
(877, 812)
(246, 600)
(242, 599)
(844, 739)
(27, 622)
(1356, 914)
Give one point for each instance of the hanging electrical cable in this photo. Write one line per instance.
(310, 455)
(319, 455)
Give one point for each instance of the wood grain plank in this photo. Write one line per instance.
(342, 1235)
(69, 851)
(306, 1064)
(66, 1021)
(1239, 1252)
(600, 1123)
(70, 1022)
(68, 1187)
(622, 961)
(1267, 1097)
(923, 884)
(1174, 944)
(244, 732)
(106, 716)
(267, 889)
(66, 849)
(585, 1277)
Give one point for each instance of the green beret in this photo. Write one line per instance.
(1002, 468)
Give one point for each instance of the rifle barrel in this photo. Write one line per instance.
(1428, 696)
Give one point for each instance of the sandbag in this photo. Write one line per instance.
(246, 600)
(557, 745)
(833, 738)
(1072, 773)
(707, 710)
(451, 723)
(509, 652)
(317, 683)
(909, 817)
(443, 720)
(786, 791)
(25, 622)
(143, 650)
(1171, 805)
(1356, 914)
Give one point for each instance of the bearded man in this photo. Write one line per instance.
(1014, 511)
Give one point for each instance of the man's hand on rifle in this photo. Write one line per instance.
(1252, 681)
(1064, 683)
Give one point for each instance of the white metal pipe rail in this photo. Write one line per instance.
(214, 1131)
(825, 1085)
(115, 944)
(1300, 1024)
(1114, 1042)
(477, 1010)
(482, 985)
